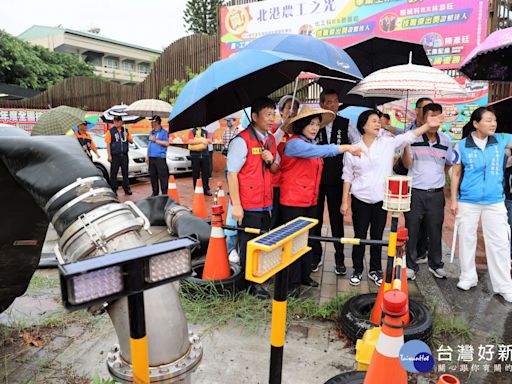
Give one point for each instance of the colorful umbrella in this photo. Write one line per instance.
(149, 107)
(57, 121)
(491, 60)
(410, 80)
(119, 110)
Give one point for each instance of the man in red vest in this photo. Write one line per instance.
(250, 157)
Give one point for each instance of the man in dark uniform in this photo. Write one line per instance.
(331, 184)
(118, 139)
(198, 140)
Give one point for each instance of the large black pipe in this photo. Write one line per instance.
(155, 209)
(44, 165)
(32, 170)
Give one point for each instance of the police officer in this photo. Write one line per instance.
(118, 139)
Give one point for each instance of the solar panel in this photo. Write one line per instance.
(283, 232)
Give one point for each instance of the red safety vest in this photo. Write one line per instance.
(276, 177)
(300, 179)
(255, 179)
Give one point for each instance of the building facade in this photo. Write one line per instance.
(113, 60)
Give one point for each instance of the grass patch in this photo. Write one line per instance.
(208, 307)
(40, 282)
(450, 328)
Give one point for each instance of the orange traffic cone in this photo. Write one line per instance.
(385, 365)
(199, 204)
(216, 266)
(172, 191)
(448, 379)
(221, 200)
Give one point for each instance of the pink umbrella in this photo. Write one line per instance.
(491, 60)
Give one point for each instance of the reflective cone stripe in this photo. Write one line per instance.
(221, 200)
(217, 266)
(385, 365)
(199, 203)
(172, 191)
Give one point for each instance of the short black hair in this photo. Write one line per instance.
(261, 103)
(326, 92)
(299, 125)
(363, 119)
(158, 119)
(477, 116)
(421, 100)
(386, 116)
(434, 107)
(118, 118)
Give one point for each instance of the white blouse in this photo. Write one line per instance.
(367, 173)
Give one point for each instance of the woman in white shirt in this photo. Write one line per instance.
(364, 178)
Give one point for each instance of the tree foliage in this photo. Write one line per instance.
(32, 66)
(201, 16)
(171, 92)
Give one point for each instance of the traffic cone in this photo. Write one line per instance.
(221, 200)
(216, 266)
(448, 379)
(172, 191)
(199, 204)
(385, 365)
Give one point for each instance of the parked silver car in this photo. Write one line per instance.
(137, 166)
(178, 159)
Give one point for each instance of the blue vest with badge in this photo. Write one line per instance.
(118, 142)
(482, 177)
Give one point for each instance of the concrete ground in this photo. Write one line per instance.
(75, 348)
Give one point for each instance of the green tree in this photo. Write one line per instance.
(201, 16)
(171, 92)
(36, 67)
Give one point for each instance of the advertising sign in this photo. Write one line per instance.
(448, 29)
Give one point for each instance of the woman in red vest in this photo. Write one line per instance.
(301, 169)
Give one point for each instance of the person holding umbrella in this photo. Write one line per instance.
(117, 139)
(85, 140)
(301, 171)
(477, 192)
(156, 157)
(364, 178)
(250, 158)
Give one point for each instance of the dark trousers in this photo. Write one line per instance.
(333, 193)
(201, 167)
(366, 215)
(119, 161)
(251, 219)
(275, 220)
(159, 173)
(210, 154)
(301, 269)
(427, 208)
(422, 244)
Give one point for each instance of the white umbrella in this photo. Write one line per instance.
(119, 110)
(149, 107)
(408, 81)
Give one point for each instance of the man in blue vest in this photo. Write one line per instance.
(157, 155)
(118, 139)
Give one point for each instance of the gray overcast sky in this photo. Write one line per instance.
(149, 23)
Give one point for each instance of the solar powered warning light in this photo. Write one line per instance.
(277, 249)
(268, 255)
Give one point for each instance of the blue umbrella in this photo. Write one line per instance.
(232, 84)
(310, 48)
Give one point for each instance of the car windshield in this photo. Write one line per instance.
(99, 141)
(141, 140)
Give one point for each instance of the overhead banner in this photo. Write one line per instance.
(448, 30)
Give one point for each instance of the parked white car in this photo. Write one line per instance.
(178, 159)
(137, 166)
